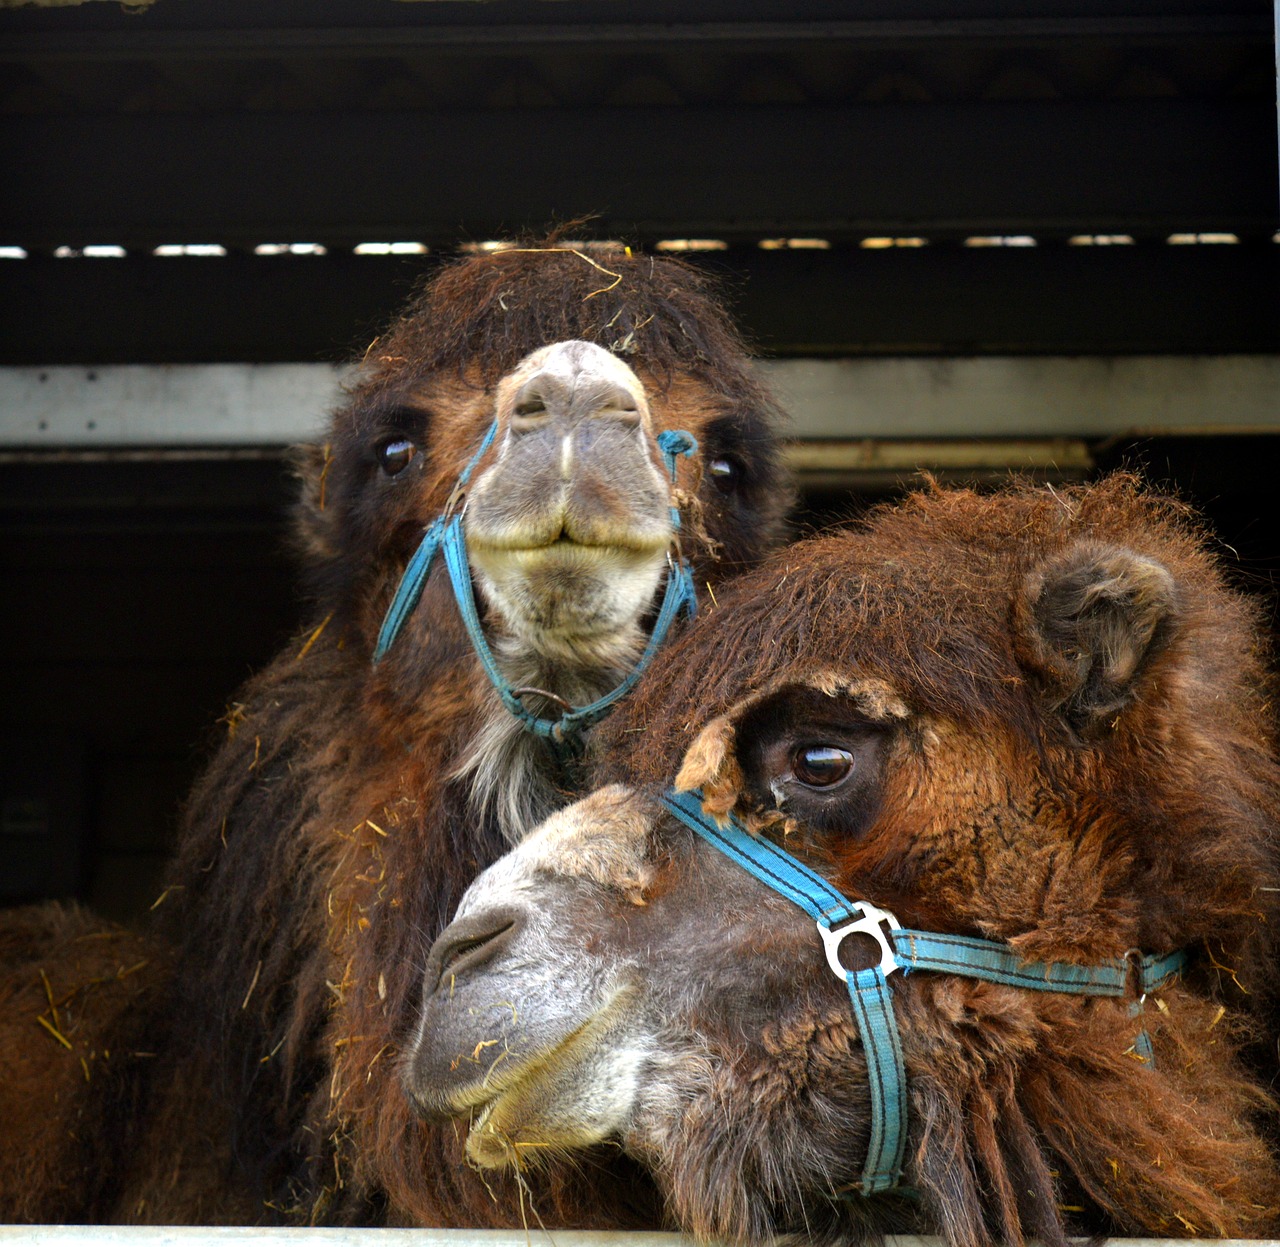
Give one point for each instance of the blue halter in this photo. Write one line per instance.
(905, 950)
(445, 532)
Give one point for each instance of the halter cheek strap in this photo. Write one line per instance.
(414, 579)
(446, 533)
(679, 596)
(905, 950)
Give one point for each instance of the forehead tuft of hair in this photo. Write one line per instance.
(921, 592)
(480, 315)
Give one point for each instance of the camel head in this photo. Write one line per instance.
(1036, 720)
(579, 361)
(552, 378)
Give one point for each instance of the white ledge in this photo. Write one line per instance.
(220, 405)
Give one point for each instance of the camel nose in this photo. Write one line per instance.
(468, 944)
(550, 396)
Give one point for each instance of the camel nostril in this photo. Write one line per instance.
(623, 415)
(470, 943)
(609, 401)
(533, 403)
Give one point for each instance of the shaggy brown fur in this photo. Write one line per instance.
(327, 842)
(75, 998)
(1057, 725)
(1089, 768)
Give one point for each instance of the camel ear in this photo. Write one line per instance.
(1089, 622)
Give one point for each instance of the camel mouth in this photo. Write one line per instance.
(565, 545)
(505, 1073)
(549, 1100)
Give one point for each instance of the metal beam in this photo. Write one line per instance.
(1030, 396)
(1064, 166)
(1004, 400)
(174, 405)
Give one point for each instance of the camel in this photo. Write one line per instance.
(580, 435)
(942, 898)
(76, 995)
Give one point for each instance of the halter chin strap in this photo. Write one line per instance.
(906, 950)
(445, 532)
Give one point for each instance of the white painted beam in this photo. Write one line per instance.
(224, 405)
(1029, 396)
(152, 405)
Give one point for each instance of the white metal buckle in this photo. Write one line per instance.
(875, 922)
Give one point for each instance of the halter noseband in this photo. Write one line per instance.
(906, 950)
(445, 532)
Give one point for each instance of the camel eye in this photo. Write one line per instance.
(724, 474)
(821, 766)
(395, 453)
(813, 758)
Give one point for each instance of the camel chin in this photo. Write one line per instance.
(579, 1093)
(558, 594)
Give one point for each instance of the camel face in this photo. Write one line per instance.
(579, 994)
(567, 515)
(568, 526)
(361, 785)
(1032, 720)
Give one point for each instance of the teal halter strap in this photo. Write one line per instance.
(446, 532)
(679, 596)
(837, 918)
(414, 579)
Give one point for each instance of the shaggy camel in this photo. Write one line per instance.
(1013, 753)
(533, 396)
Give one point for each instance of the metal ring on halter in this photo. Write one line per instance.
(906, 950)
(554, 698)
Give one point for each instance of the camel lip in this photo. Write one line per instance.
(510, 1076)
(473, 1100)
(479, 1098)
(564, 545)
(504, 1075)
(492, 1143)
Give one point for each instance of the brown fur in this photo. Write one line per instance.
(326, 844)
(1061, 716)
(1088, 768)
(75, 995)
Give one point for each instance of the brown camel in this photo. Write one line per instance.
(374, 768)
(76, 994)
(1033, 727)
